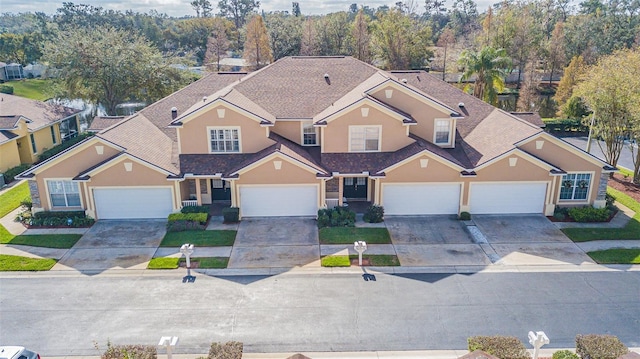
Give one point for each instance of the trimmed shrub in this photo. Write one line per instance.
(374, 214)
(195, 209)
(228, 350)
(11, 173)
(59, 214)
(177, 222)
(130, 351)
(565, 354)
(561, 213)
(336, 217)
(593, 346)
(589, 214)
(464, 216)
(504, 347)
(231, 214)
(6, 89)
(55, 218)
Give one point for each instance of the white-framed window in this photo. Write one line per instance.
(224, 139)
(364, 138)
(575, 186)
(63, 193)
(217, 183)
(53, 135)
(442, 132)
(34, 148)
(309, 134)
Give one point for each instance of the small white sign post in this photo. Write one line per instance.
(169, 343)
(360, 247)
(187, 250)
(537, 339)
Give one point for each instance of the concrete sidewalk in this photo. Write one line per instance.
(414, 354)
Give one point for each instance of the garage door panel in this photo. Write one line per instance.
(417, 199)
(132, 203)
(507, 198)
(278, 201)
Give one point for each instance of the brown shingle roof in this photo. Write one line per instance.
(531, 117)
(40, 114)
(9, 122)
(99, 123)
(295, 87)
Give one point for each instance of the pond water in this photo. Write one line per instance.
(90, 110)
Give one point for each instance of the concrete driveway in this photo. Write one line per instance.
(433, 241)
(276, 242)
(528, 240)
(113, 244)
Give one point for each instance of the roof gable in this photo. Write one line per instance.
(392, 84)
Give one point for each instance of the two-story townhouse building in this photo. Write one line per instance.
(309, 132)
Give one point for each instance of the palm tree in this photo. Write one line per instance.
(490, 67)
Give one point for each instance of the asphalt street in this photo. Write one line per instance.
(581, 142)
(60, 315)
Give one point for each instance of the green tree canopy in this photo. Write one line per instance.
(489, 66)
(109, 66)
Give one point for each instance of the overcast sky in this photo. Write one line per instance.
(179, 8)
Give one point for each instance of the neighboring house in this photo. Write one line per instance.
(309, 132)
(34, 70)
(11, 71)
(99, 123)
(29, 127)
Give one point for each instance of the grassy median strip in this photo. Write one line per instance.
(11, 199)
(40, 240)
(630, 231)
(376, 260)
(348, 235)
(214, 238)
(616, 256)
(174, 262)
(18, 263)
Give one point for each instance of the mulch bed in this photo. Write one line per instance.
(625, 185)
(365, 262)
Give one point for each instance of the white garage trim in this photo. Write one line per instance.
(133, 202)
(421, 198)
(279, 200)
(507, 197)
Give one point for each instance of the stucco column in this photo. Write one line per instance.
(322, 199)
(340, 191)
(376, 194)
(198, 195)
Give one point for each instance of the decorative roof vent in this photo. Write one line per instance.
(461, 104)
(404, 81)
(204, 98)
(326, 76)
(174, 112)
(327, 79)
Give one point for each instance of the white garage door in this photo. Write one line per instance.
(410, 199)
(505, 198)
(273, 201)
(131, 203)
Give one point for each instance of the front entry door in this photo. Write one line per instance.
(355, 187)
(220, 190)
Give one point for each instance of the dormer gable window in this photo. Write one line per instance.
(224, 139)
(364, 138)
(442, 132)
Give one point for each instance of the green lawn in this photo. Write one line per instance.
(35, 89)
(374, 260)
(11, 199)
(616, 256)
(630, 231)
(40, 240)
(203, 263)
(348, 235)
(215, 238)
(17, 263)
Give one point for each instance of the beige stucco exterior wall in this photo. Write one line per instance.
(501, 170)
(412, 172)
(44, 141)
(567, 161)
(70, 167)
(422, 112)
(194, 137)
(266, 173)
(336, 134)
(291, 130)
(9, 155)
(140, 175)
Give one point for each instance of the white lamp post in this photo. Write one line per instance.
(360, 247)
(537, 339)
(187, 250)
